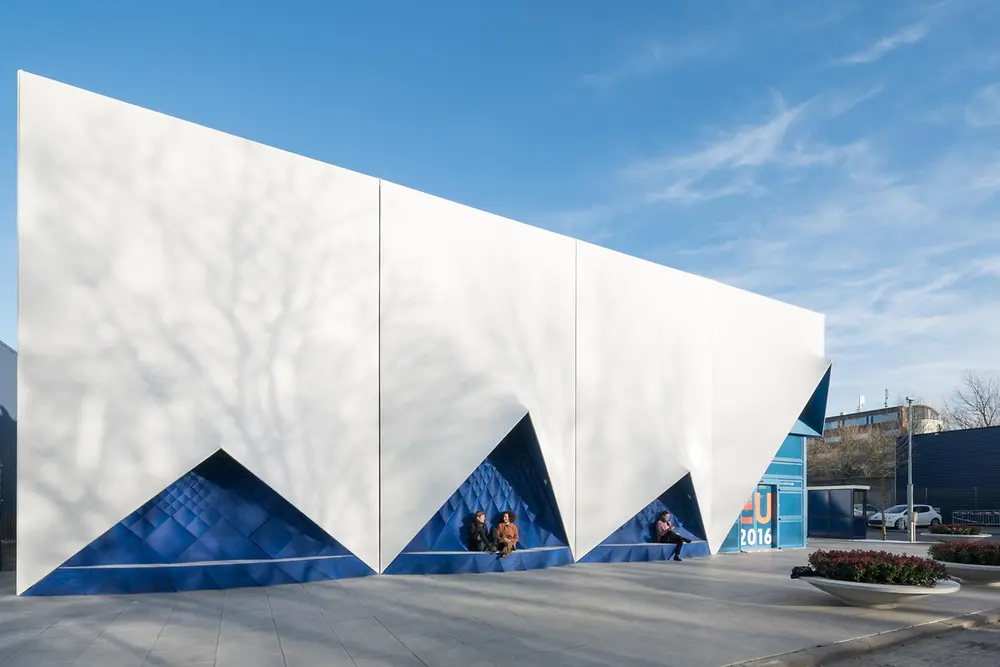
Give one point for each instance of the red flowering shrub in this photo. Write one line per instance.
(978, 553)
(877, 567)
(955, 529)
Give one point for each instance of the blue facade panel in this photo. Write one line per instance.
(776, 511)
(953, 470)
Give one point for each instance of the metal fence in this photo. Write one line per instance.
(955, 502)
(976, 517)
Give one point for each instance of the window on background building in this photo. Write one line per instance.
(884, 418)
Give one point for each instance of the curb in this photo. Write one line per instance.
(852, 648)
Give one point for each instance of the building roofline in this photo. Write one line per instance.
(878, 411)
(957, 430)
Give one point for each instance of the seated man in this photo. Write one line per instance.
(507, 534)
(666, 534)
(479, 534)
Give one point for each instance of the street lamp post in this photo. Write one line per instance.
(909, 470)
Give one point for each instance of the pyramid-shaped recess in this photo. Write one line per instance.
(682, 503)
(218, 526)
(512, 478)
(634, 540)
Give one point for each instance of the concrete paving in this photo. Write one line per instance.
(978, 647)
(698, 613)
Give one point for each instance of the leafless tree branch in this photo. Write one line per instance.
(976, 403)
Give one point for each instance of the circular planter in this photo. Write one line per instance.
(878, 596)
(941, 537)
(983, 575)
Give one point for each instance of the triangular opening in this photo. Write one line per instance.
(814, 414)
(512, 478)
(682, 503)
(217, 515)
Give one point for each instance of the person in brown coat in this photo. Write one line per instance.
(507, 534)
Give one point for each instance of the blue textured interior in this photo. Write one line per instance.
(457, 562)
(512, 478)
(218, 512)
(635, 540)
(172, 578)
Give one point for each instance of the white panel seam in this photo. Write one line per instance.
(378, 334)
(576, 408)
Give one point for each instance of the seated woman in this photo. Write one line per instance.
(666, 533)
(507, 534)
(479, 534)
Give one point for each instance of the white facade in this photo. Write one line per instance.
(359, 346)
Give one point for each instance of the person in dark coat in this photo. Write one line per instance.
(479, 534)
(666, 533)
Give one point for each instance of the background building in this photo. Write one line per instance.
(859, 448)
(8, 453)
(957, 472)
(295, 372)
(892, 419)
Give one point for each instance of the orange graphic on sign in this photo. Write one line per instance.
(760, 507)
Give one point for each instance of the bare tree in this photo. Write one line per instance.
(876, 457)
(850, 452)
(976, 403)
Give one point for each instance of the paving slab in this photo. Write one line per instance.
(975, 647)
(698, 613)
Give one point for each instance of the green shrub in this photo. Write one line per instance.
(975, 553)
(877, 567)
(953, 529)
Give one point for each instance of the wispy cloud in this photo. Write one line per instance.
(728, 165)
(749, 145)
(656, 57)
(909, 35)
(984, 108)
(897, 257)
(898, 263)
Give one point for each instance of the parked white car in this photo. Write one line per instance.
(895, 517)
(864, 511)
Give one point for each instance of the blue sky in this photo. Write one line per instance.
(842, 156)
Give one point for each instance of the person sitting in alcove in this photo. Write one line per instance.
(507, 534)
(666, 533)
(479, 534)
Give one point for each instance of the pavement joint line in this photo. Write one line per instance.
(816, 656)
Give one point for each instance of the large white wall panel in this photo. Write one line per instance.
(184, 290)
(644, 363)
(768, 358)
(477, 329)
